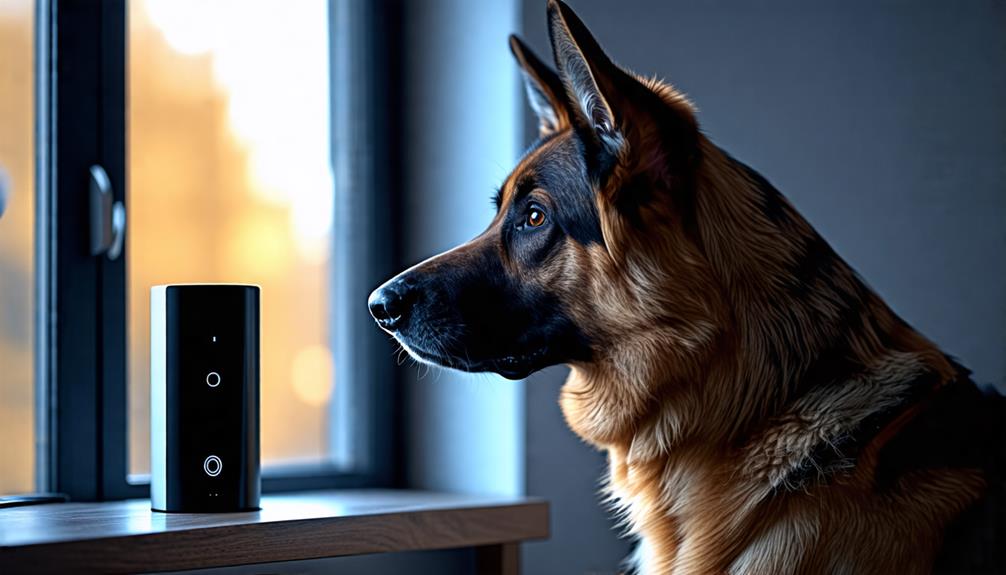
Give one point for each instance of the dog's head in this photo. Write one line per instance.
(594, 238)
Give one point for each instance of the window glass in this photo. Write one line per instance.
(17, 217)
(230, 181)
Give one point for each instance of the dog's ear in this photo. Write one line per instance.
(589, 77)
(611, 110)
(544, 89)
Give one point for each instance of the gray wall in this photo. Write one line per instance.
(884, 122)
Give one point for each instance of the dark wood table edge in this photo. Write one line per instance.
(494, 530)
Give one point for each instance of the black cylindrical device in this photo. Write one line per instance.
(204, 397)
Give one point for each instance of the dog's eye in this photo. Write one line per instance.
(535, 217)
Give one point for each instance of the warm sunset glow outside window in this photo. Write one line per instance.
(17, 220)
(230, 181)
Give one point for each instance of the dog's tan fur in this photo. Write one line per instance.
(696, 390)
(697, 419)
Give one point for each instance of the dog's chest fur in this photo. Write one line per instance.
(806, 493)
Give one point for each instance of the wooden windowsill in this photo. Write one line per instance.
(127, 537)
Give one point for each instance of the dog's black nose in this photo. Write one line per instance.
(390, 304)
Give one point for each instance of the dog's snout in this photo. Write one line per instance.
(390, 304)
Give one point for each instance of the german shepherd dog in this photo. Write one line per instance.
(762, 409)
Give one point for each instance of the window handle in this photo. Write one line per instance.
(108, 217)
(3, 191)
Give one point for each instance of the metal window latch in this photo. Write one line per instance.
(108, 217)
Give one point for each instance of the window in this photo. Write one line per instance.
(246, 153)
(230, 180)
(17, 209)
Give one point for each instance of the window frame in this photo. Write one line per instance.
(81, 343)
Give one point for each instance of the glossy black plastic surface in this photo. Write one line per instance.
(212, 398)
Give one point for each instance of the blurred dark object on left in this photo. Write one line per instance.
(32, 499)
(3, 190)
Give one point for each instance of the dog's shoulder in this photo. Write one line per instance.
(964, 426)
(976, 541)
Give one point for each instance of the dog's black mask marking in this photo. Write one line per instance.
(477, 308)
(559, 169)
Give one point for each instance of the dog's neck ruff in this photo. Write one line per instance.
(698, 506)
(830, 427)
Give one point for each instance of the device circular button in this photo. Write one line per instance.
(212, 379)
(213, 466)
